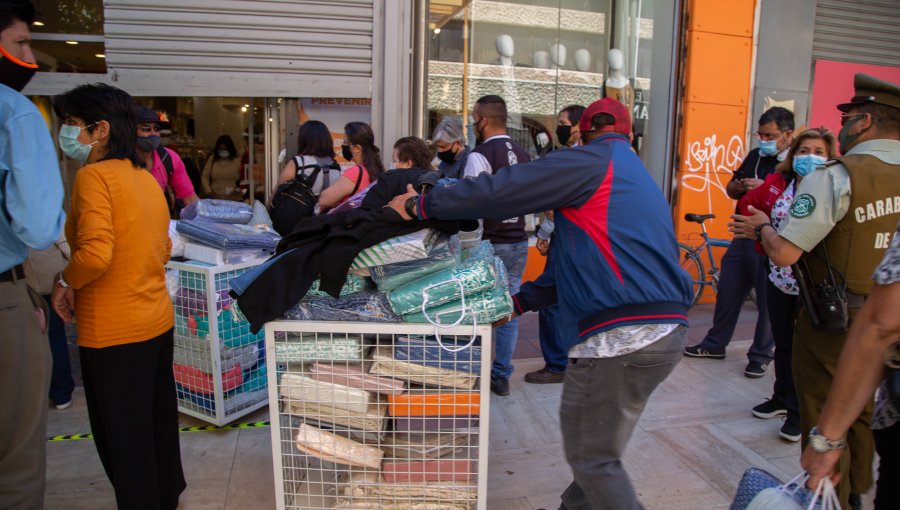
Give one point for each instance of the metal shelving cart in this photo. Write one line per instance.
(379, 415)
(219, 365)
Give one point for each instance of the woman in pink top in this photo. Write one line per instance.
(359, 147)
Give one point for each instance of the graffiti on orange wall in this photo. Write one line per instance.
(709, 166)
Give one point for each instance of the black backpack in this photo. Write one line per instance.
(175, 205)
(294, 199)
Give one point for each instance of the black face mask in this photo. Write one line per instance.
(148, 143)
(13, 75)
(479, 136)
(345, 151)
(448, 156)
(563, 133)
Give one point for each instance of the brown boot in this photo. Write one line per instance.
(544, 376)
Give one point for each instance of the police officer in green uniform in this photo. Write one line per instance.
(846, 212)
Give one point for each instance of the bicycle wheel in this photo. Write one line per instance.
(691, 263)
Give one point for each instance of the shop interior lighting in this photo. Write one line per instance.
(99, 55)
(38, 23)
(73, 43)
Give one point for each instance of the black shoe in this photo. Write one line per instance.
(769, 409)
(790, 431)
(755, 370)
(698, 351)
(500, 385)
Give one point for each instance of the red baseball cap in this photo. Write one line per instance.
(610, 106)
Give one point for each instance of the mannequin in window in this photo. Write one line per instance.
(506, 48)
(557, 56)
(617, 84)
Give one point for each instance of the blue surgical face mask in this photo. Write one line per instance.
(68, 142)
(805, 164)
(768, 147)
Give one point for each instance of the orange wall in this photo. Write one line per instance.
(718, 66)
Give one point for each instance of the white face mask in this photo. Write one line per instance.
(223, 154)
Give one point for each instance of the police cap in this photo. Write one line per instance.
(872, 90)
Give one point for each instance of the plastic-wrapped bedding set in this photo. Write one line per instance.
(219, 211)
(228, 236)
(445, 253)
(443, 286)
(361, 306)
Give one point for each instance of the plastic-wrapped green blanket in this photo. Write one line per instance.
(353, 285)
(445, 253)
(306, 347)
(486, 306)
(362, 306)
(443, 286)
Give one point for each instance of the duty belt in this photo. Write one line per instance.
(11, 275)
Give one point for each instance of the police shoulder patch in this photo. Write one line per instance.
(803, 205)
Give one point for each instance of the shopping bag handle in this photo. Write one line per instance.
(464, 309)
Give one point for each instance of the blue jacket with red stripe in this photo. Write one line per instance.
(617, 258)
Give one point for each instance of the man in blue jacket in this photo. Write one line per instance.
(616, 279)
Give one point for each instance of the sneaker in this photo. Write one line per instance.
(769, 409)
(500, 385)
(544, 376)
(755, 370)
(698, 351)
(790, 431)
(64, 405)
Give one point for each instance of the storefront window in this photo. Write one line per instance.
(67, 36)
(540, 56)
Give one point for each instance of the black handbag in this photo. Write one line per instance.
(892, 375)
(825, 301)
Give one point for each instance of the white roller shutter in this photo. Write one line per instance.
(262, 48)
(862, 31)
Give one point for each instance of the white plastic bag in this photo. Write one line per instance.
(782, 497)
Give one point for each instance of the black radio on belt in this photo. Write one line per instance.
(825, 301)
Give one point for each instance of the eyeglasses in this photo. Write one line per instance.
(845, 116)
(149, 128)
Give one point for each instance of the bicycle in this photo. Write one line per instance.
(689, 258)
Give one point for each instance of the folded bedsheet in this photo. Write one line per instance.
(362, 487)
(215, 210)
(334, 448)
(355, 375)
(419, 446)
(203, 382)
(445, 253)
(438, 470)
(306, 347)
(244, 357)
(429, 352)
(413, 246)
(385, 364)
(364, 306)
(302, 388)
(372, 421)
(423, 424)
(225, 236)
(443, 286)
(435, 404)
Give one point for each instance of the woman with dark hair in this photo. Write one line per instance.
(115, 282)
(359, 147)
(411, 152)
(222, 172)
(315, 147)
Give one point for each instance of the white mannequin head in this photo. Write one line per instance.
(583, 60)
(558, 55)
(541, 59)
(505, 45)
(616, 61)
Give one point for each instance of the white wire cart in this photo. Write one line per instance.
(379, 415)
(219, 365)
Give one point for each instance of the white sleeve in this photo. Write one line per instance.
(476, 163)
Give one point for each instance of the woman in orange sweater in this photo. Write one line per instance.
(115, 285)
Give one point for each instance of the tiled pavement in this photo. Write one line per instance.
(692, 443)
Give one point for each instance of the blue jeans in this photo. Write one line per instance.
(743, 268)
(602, 400)
(61, 382)
(513, 257)
(552, 338)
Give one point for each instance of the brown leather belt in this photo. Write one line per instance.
(11, 275)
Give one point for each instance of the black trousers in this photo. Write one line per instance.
(130, 392)
(887, 490)
(782, 313)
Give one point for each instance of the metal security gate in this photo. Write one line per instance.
(261, 48)
(862, 32)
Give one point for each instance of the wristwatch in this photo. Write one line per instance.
(410, 206)
(61, 282)
(822, 444)
(759, 229)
